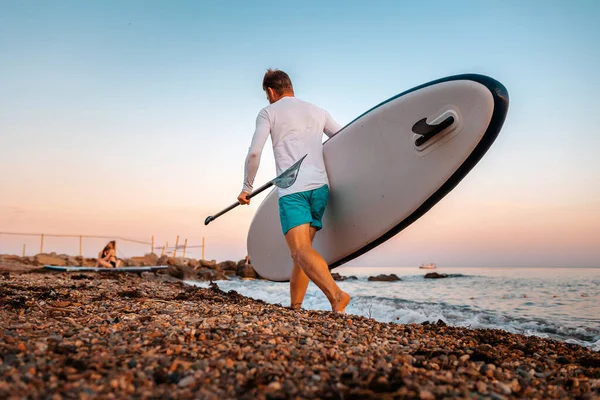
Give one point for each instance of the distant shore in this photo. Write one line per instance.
(183, 268)
(116, 336)
(179, 267)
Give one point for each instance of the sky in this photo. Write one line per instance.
(133, 118)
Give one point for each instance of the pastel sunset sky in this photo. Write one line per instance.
(133, 118)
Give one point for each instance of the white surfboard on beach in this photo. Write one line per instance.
(388, 167)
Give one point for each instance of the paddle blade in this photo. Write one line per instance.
(288, 177)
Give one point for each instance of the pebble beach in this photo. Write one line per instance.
(85, 335)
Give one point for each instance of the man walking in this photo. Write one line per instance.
(296, 128)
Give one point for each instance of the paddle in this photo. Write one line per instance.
(285, 180)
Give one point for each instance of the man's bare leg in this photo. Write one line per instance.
(314, 266)
(299, 280)
(298, 285)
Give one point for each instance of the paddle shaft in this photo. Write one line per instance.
(284, 180)
(231, 207)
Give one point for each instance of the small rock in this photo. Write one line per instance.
(515, 386)
(496, 396)
(565, 359)
(481, 387)
(544, 375)
(426, 395)
(499, 375)
(487, 370)
(187, 381)
(573, 382)
(504, 388)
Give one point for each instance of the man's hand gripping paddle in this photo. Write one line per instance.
(285, 180)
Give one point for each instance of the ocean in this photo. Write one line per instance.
(555, 303)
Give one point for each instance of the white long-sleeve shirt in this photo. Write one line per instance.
(296, 129)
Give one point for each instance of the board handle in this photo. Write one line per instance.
(427, 131)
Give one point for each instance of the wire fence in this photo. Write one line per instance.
(164, 250)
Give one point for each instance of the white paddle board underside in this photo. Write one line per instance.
(380, 180)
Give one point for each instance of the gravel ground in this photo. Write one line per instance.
(104, 336)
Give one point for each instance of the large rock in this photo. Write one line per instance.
(133, 262)
(11, 259)
(384, 278)
(228, 266)
(151, 258)
(89, 262)
(212, 264)
(148, 260)
(49, 259)
(179, 261)
(338, 277)
(162, 260)
(246, 271)
(14, 261)
(74, 261)
(193, 263)
(182, 272)
(29, 260)
(435, 275)
(208, 274)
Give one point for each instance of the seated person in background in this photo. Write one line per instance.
(107, 258)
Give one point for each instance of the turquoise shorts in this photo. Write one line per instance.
(303, 208)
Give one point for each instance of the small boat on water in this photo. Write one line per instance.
(428, 266)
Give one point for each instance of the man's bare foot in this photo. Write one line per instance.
(341, 301)
(296, 306)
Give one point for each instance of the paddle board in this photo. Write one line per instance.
(100, 269)
(388, 167)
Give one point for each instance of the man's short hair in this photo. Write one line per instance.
(277, 80)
